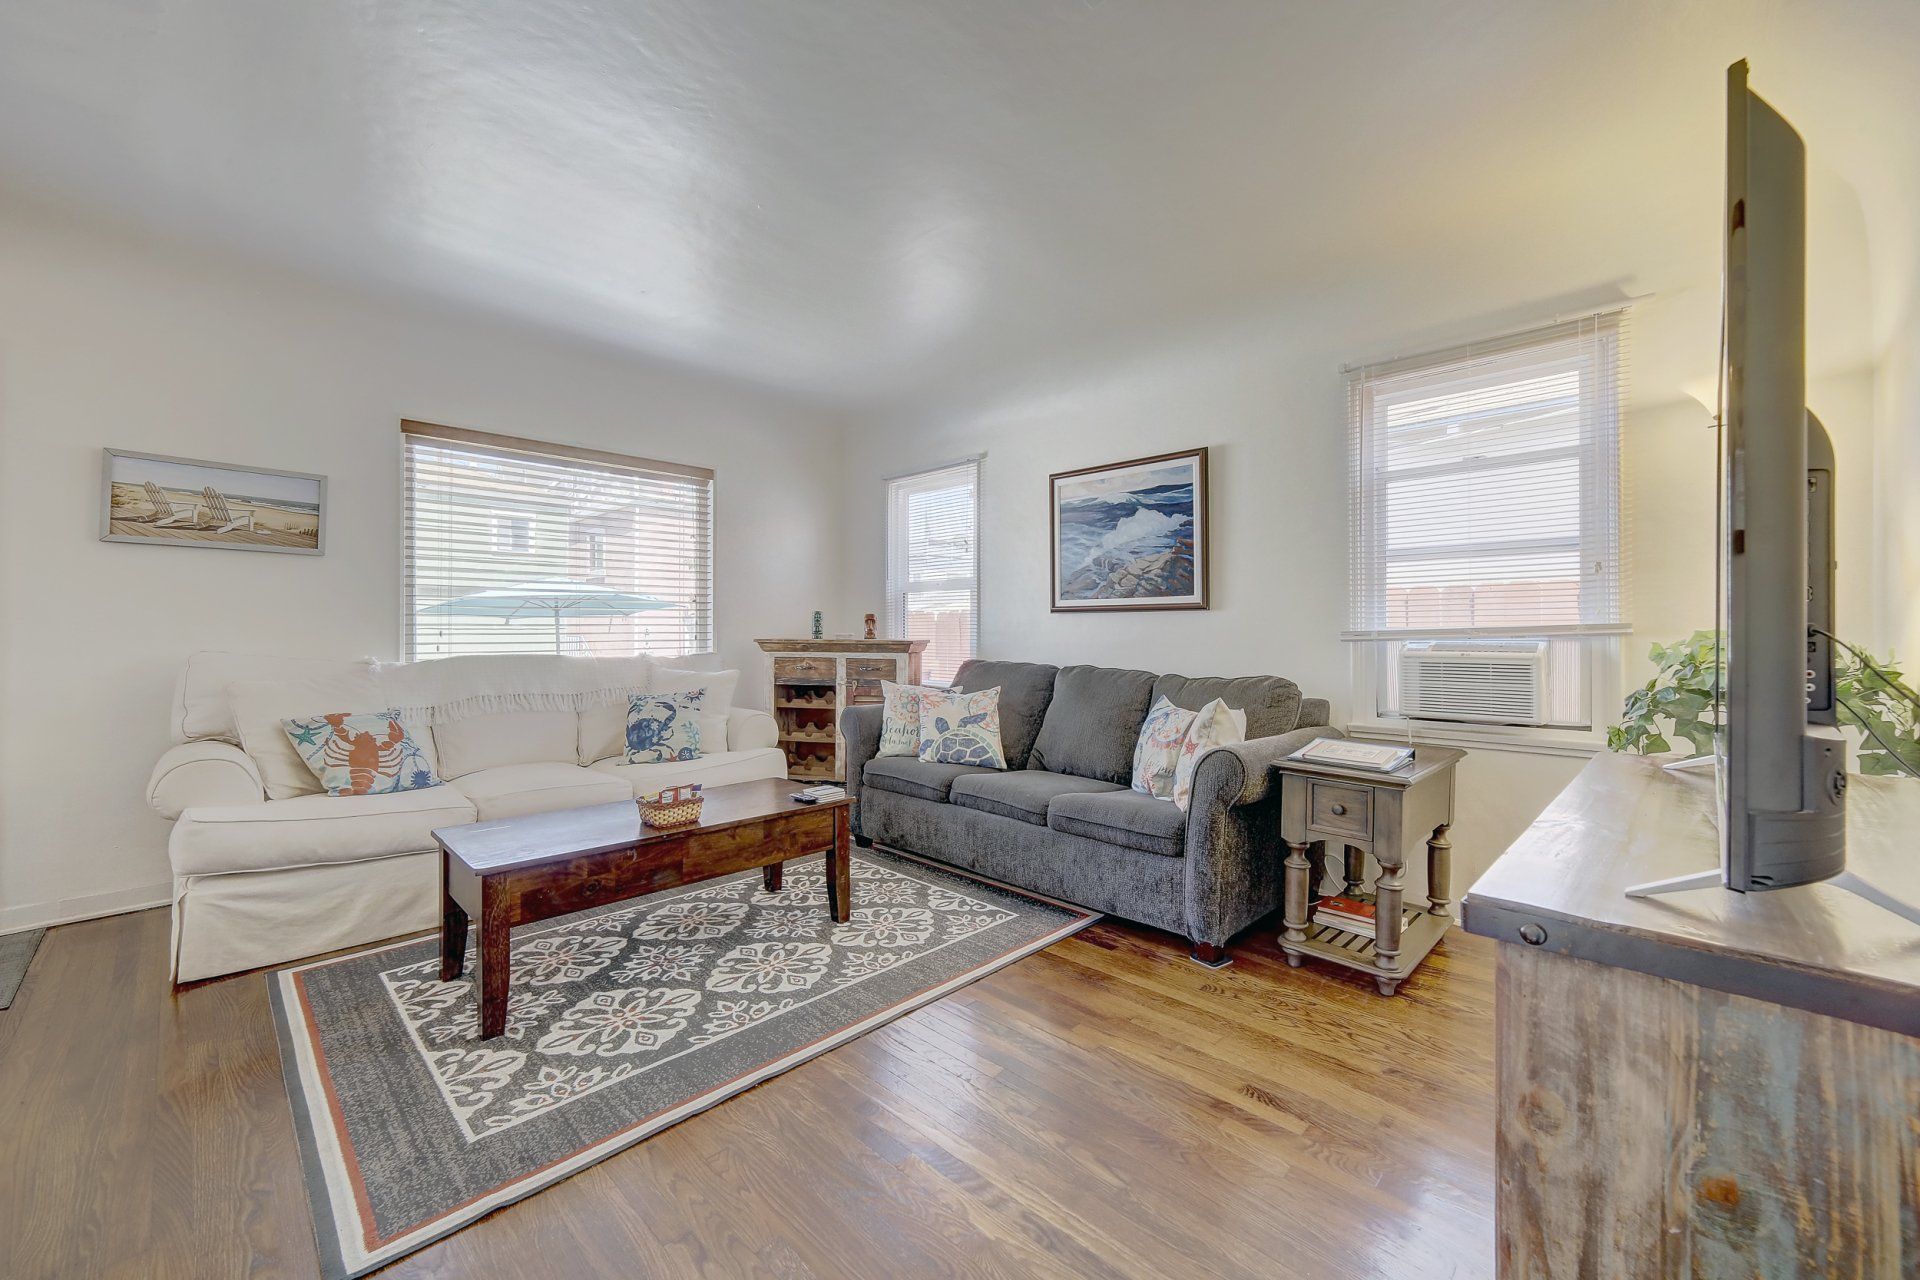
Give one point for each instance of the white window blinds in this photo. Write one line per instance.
(933, 565)
(1485, 488)
(512, 546)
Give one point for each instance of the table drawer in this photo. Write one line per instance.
(803, 670)
(1340, 810)
(874, 669)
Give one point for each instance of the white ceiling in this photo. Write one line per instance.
(871, 200)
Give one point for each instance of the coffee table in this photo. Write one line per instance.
(514, 871)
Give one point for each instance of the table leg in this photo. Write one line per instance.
(1294, 916)
(491, 981)
(453, 933)
(840, 869)
(1387, 894)
(771, 875)
(1356, 871)
(1439, 871)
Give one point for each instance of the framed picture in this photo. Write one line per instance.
(1131, 535)
(150, 497)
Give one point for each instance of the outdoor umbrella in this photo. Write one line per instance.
(557, 598)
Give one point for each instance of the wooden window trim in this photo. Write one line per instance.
(520, 446)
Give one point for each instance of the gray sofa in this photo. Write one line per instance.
(1061, 820)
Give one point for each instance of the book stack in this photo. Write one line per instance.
(817, 795)
(1355, 915)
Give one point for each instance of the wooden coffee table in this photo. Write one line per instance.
(514, 871)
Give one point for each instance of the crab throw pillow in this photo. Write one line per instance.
(664, 726)
(961, 728)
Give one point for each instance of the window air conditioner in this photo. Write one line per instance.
(1493, 681)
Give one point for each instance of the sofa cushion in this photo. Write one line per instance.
(1093, 722)
(514, 790)
(202, 701)
(1131, 819)
(260, 709)
(1025, 690)
(912, 776)
(310, 830)
(1272, 703)
(472, 743)
(1023, 796)
(715, 770)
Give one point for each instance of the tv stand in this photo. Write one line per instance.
(1710, 1083)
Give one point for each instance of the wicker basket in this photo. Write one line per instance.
(674, 807)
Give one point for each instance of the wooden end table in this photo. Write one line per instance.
(514, 871)
(1388, 815)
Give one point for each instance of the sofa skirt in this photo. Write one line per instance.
(244, 920)
(1149, 888)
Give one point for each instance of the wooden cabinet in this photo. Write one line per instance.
(814, 680)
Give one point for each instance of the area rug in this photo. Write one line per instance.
(16, 953)
(620, 1022)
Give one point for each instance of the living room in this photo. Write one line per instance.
(898, 326)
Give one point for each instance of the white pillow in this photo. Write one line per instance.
(469, 744)
(603, 730)
(900, 718)
(1214, 725)
(1156, 753)
(713, 709)
(203, 696)
(260, 706)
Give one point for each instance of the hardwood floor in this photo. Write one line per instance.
(1105, 1108)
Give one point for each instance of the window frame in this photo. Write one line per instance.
(1601, 644)
(486, 442)
(894, 602)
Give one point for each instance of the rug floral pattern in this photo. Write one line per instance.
(602, 999)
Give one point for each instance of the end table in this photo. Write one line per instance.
(1388, 815)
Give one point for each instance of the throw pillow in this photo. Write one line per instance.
(900, 718)
(1157, 753)
(360, 753)
(260, 708)
(664, 726)
(961, 728)
(1214, 725)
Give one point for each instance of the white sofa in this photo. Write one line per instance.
(259, 880)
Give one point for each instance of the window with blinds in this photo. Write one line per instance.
(512, 546)
(1486, 500)
(933, 565)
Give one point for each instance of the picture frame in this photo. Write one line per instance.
(160, 499)
(1130, 536)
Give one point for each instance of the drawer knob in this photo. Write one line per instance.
(1339, 811)
(1532, 934)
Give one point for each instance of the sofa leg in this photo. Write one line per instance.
(863, 842)
(1210, 954)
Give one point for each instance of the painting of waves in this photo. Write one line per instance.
(1131, 535)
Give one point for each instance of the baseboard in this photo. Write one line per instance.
(42, 915)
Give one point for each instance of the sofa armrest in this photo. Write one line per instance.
(748, 729)
(203, 773)
(1233, 834)
(860, 728)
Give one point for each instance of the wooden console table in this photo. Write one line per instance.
(1711, 1084)
(814, 680)
(1388, 815)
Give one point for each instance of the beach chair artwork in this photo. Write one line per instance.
(221, 516)
(165, 511)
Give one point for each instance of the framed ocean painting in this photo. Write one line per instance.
(1131, 535)
(154, 498)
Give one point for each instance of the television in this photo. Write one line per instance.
(1781, 761)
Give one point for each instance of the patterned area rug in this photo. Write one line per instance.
(620, 1022)
(16, 953)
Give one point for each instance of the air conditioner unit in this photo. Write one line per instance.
(1494, 681)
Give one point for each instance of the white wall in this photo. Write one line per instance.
(111, 342)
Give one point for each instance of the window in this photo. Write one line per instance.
(933, 565)
(1486, 506)
(512, 535)
(512, 546)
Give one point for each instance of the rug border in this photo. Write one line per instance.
(342, 1258)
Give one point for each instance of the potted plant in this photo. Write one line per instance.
(1682, 701)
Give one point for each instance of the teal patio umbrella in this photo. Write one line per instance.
(557, 599)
